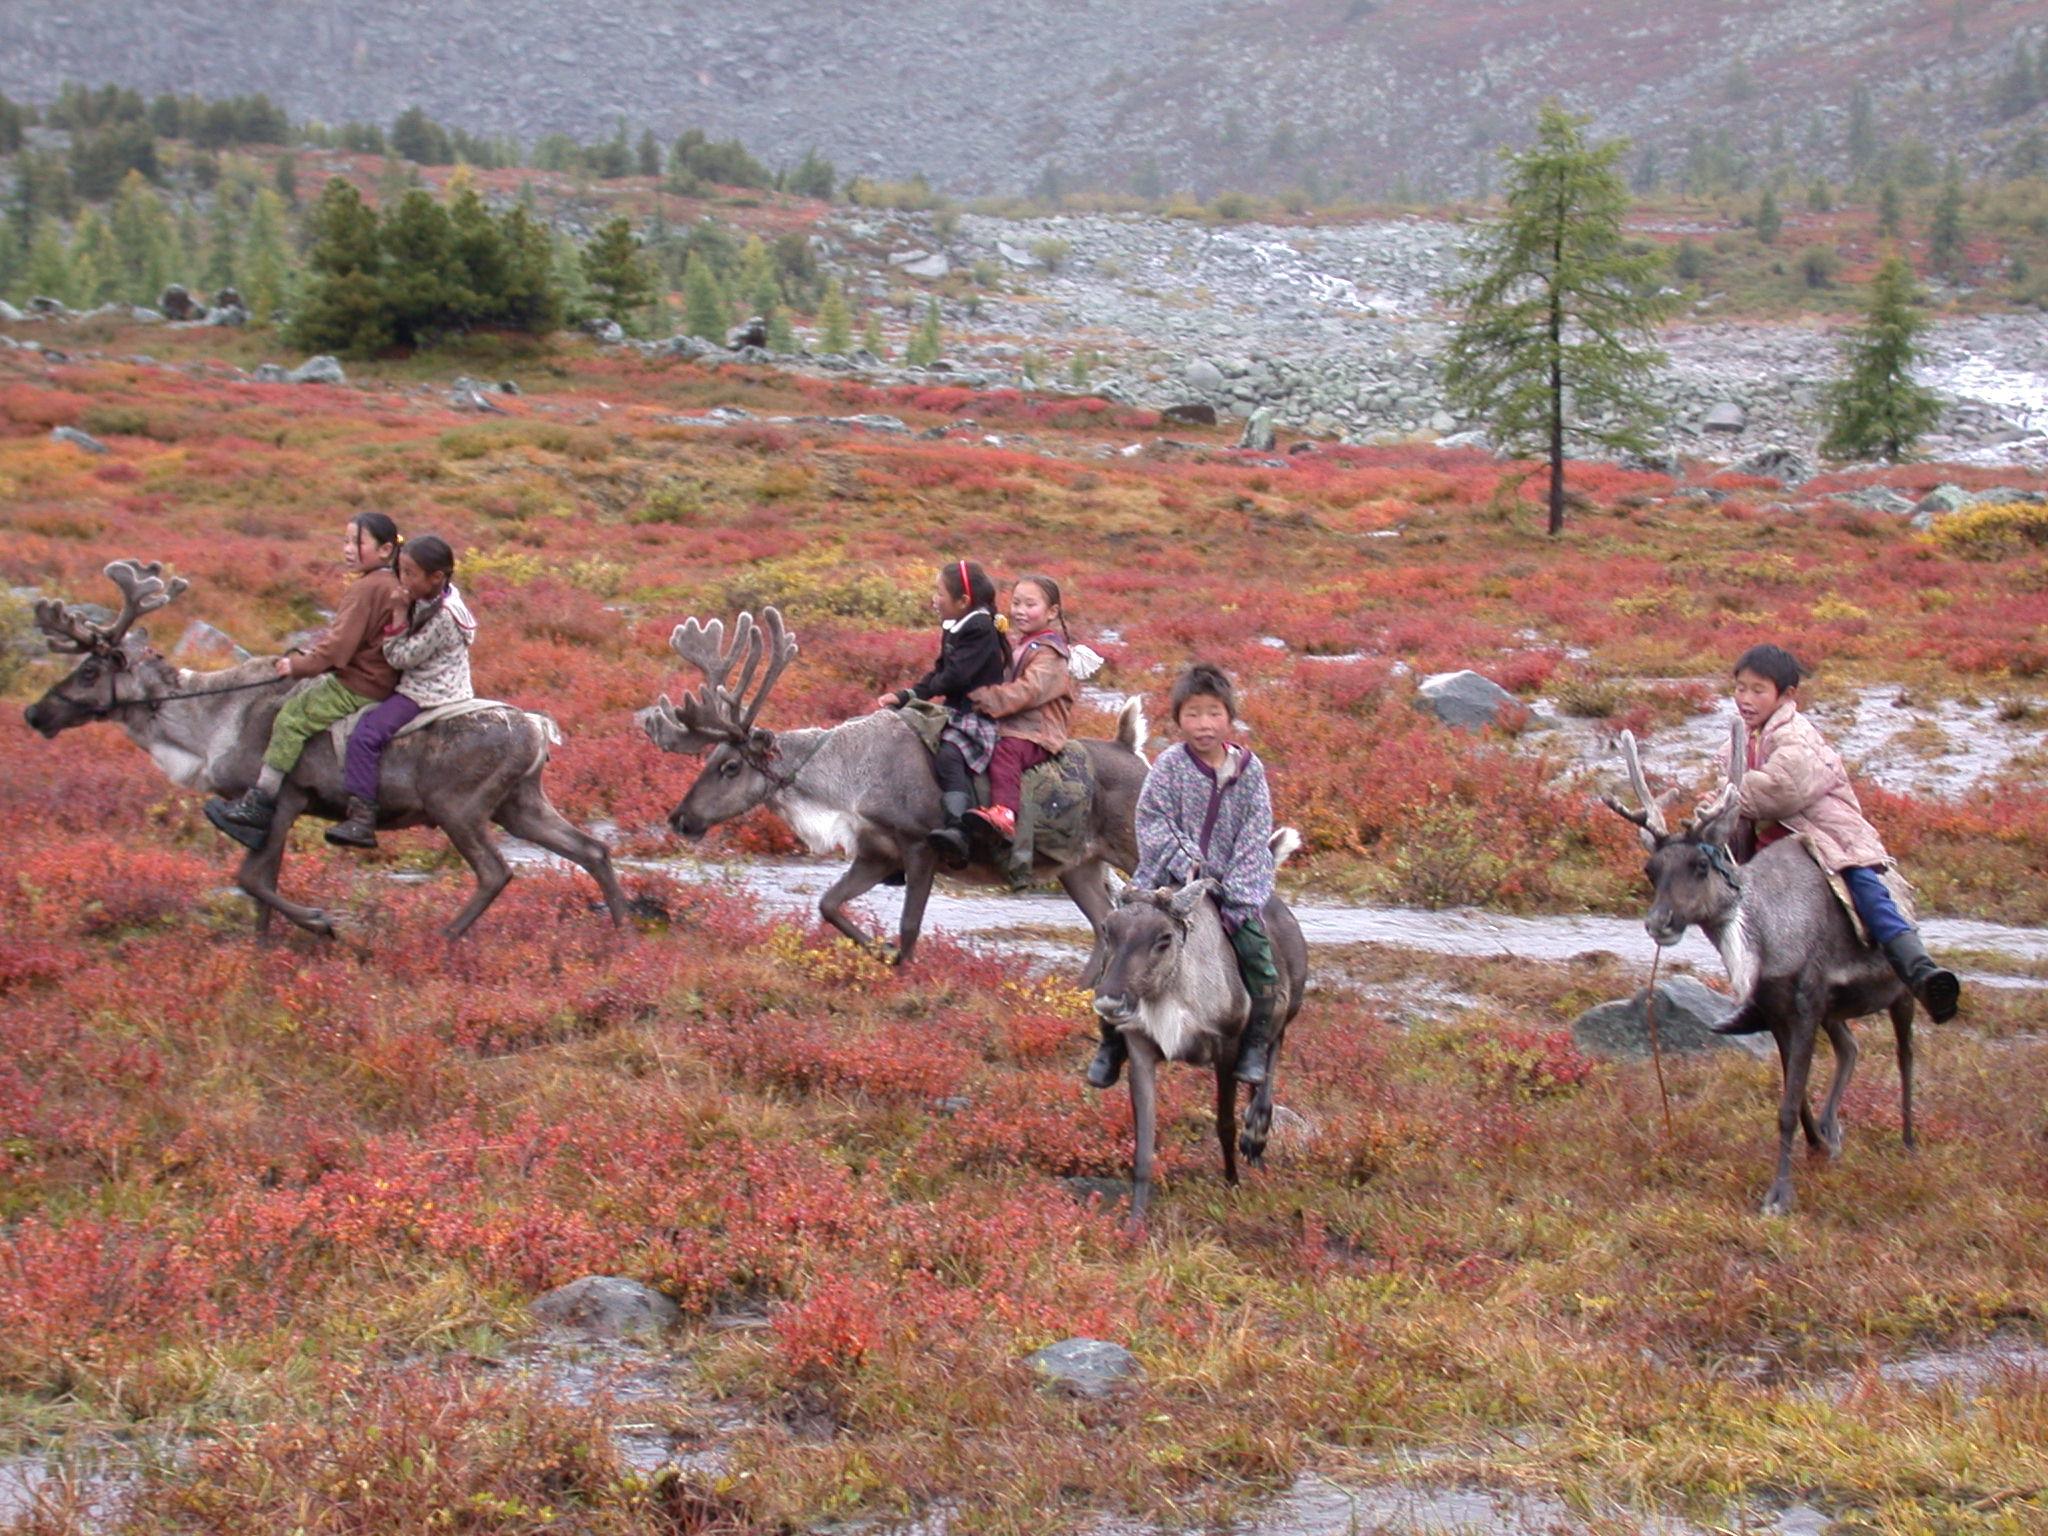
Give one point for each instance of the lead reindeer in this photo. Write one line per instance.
(864, 789)
(1796, 964)
(207, 731)
(1168, 979)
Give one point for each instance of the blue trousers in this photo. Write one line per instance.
(1874, 904)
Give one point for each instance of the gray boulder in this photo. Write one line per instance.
(1204, 377)
(43, 304)
(610, 332)
(873, 421)
(1687, 1010)
(1658, 462)
(9, 313)
(318, 370)
(607, 1307)
(1014, 256)
(1942, 500)
(933, 266)
(226, 314)
(905, 258)
(1725, 417)
(1085, 1367)
(1195, 413)
(177, 303)
(1787, 466)
(1462, 699)
(1258, 431)
(78, 439)
(268, 373)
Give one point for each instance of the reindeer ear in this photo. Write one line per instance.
(1188, 899)
(761, 742)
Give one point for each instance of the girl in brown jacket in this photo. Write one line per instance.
(1032, 709)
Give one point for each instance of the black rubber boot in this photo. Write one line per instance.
(1255, 1046)
(360, 830)
(246, 819)
(950, 841)
(1938, 990)
(1110, 1056)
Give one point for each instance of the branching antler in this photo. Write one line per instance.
(716, 712)
(143, 590)
(1650, 819)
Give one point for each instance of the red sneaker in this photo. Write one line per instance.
(1001, 817)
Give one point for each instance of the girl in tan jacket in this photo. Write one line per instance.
(1795, 782)
(1032, 708)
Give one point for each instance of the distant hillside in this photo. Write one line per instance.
(1201, 95)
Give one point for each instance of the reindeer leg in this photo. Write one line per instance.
(529, 815)
(1902, 1032)
(1792, 1103)
(866, 872)
(474, 843)
(1807, 1123)
(1258, 1115)
(1088, 890)
(920, 865)
(1844, 1044)
(1226, 1119)
(1145, 1115)
(259, 869)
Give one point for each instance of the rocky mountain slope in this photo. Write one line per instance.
(1189, 94)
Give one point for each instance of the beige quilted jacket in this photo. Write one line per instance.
(1796, 778)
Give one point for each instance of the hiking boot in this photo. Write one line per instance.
(1110, 1056)
(246, 818)
(949, 842)
(1255, 1046)
(1001, 817)
(360, 830)
(1938, 990)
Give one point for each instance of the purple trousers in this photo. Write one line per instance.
(366, 744)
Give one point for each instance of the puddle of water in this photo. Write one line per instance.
(94, 1490)
(656, 1420)
(1973, 1371)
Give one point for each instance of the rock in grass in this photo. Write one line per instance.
(1258, 431)
(607, 1307)
(1194, 413)
(1687, 1010)
(318, 370)
(1086, 1367)
(1463, 699)
(78, 439)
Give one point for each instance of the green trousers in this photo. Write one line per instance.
(305, 715)
(1255, 959)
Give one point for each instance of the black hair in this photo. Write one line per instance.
(1774, 664)
(430, 553)
(1051, 589)
(1203, 680)
(382, 530)
(966, 579)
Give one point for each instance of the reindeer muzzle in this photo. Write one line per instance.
(1117, 1010)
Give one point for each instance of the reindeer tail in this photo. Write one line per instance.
(1285, 843)
(1132, 728)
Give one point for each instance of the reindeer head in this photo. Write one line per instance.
(109, 675)
(1691, 871)
(741, 771)
(1140, 948)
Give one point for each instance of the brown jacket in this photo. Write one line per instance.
(1038, 701)
(352, 648)
(1799, 780)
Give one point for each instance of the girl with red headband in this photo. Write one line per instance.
(972, 654)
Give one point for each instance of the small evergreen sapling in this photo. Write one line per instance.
(1876, 409)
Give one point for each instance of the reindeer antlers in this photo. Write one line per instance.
(716, 712)
(1650, 819)
(143, 590)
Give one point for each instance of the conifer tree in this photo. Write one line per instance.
(781, 338)
(565, 265)
(926, 342)
(759, 290)
(616, 271)
(1558, 303)
(704, 305)
(264, 271)
(343, 309)
(1768, 220)
(1890, 216)
(1876, 408)
(145, 240)
(95, 267)
(1945, 233)
(871, 338)
(49, 266)
(423, 284)
(834, 321)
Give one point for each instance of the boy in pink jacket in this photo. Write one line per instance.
(1795, 782)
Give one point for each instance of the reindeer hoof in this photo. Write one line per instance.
(1778, 1203)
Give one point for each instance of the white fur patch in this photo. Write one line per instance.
(1172, 1027)
(1739, 957)
(185, 769)
(821, 829)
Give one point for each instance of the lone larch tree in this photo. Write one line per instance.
(1560, 312)
(1875, 408)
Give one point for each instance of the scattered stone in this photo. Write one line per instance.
(42, 304)
(905, 258)
(1204, 377)
(1258, 431)
(1943, 500)
(78, 439)
(952, 1104)
(1726, 417)
(874, 422)
(474, 400)
(318, 370)
(1085, 1367)
(1658, 462)
(608, 331)
(1442, 423)
(226, 314)
(1787, 466)
(178, 304)
(1878, 498)
(508, 387)
(754, 333)
(268, 373)
(1014, 256)
(607, 1307)
(1195, 413)
(1463, 699)
(142, 314)
(229, 298)
(1687, 1010)
(933, 266)
(1473, 439)
(9, 313)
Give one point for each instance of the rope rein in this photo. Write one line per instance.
(1656, 1049)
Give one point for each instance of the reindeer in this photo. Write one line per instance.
(1795, 962)
(863, 789)
(208, 730)
(1168, 979)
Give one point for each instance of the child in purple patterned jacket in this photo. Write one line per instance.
(1205, 812)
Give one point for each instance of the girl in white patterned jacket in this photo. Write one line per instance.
(431, 652)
